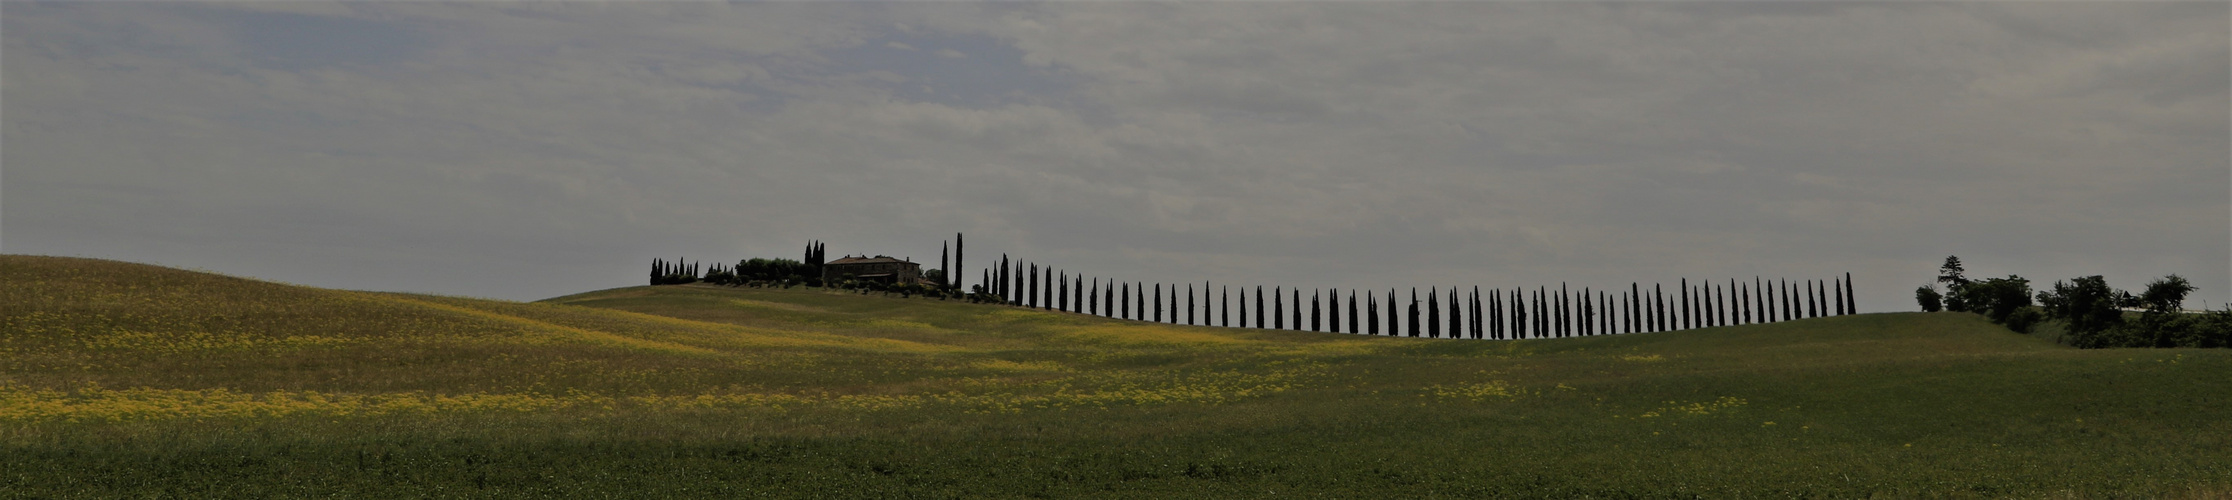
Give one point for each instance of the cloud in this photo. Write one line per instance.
(531, 150)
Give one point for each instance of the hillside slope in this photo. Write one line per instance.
(196, 383)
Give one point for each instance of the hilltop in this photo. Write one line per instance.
(201, 384)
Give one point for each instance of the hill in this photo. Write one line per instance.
(120, 379)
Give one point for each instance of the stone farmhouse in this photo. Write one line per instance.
(878, 268)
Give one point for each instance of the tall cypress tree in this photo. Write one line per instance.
(960, 279)
(945, 266)
(1092, 298)
(1479, 324)
(1224, 306)
(1277, 309)
(1414, 330)
(1838, 291)
(1456, 323)
(1658, 308)
(1244, 307)
(1158, 303)
(1259, 308)
(1123, 299)
(1371, 314)
(1433, 314)
(1296, 302)
(1393, 315)
(1811, 310)
(1333, 310)
(1352, 324)
(1851, 307)
(1316, 321)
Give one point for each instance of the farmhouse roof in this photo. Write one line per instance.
(865, 260)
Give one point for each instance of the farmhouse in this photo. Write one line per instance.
(878, 268)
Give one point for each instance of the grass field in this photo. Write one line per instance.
(126, 380)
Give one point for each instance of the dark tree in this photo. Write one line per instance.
(2090, 307)
(1456, 325)
(1277, 309)
(1433, 314)
(1658, 308)
(1333, 310)
(1930, 301)
(1224, 305)
(1394, 316)
(1140, 298)
(1316, 321)
(1243, 312)
(1296, 304)
(1093, 298)
(944, 266)
(1839, 292)
(1479, 324)
(1352, 313)
(1124, 302)
(1259, 307)
(1371, 310)
(1951, 274)
(1189, 304)
(959, 280)
(1158, 303)
(1413, 331)
(1851, 307)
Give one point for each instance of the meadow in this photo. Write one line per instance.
(128, 380)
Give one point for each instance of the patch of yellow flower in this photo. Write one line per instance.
(1642, 358)
(1477, 391)
(1675, 408)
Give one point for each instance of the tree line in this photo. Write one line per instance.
(2092, 314)
(1455, 312)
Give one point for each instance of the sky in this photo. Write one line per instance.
(530, 150)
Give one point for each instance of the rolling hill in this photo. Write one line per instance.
(121, 379)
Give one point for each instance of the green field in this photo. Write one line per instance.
(126, 380)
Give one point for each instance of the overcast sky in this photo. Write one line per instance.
(529, 150)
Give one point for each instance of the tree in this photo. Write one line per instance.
(1951, 274)
(2089, 306)
(1928, 298)
(1371, 312)
(1352, 313)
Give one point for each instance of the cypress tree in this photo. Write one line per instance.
(1839, 293)
(1433, 314)
(1821, 294)
(1811, 311)
(1297, 309)
(1352, 314)
(1851, 307)
(1243, 307)
(1479, 322)
(1278, 309)
(1316, 322)
(1124, 299)
(1189, 304)
(1394, 316)
(1333, 310)
(1093, 298)
(1456, 325)
(1259, 307)
(1414, 330)
(1519, 319)
(1588, 311)
(1371, 311)
(959, 281)
(1224, 306)
(1658, 308)
(944, 266)
(1158, 303)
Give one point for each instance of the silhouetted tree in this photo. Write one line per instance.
(960, 275)
(1456, 326)
(1414, 330)
(1316, 321)
(1244, 307)
(1394, 315)
(1259, 308)
(1333, 310)
(1951, 274)
(1278, 308)
(1371, 314)
(1296, 308)
(1352, 313)
(1929, 299)
(1158, 303)
(1851, 307)
(1224, 306)
(1433, 314)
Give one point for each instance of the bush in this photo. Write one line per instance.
(1929, 298)
(2023, 320)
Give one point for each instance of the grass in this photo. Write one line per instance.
(129, 380)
